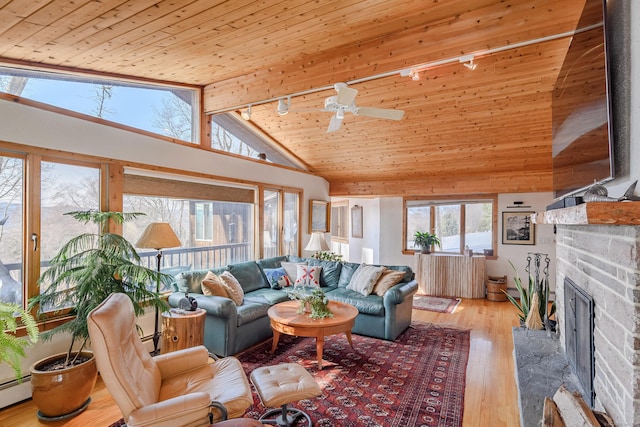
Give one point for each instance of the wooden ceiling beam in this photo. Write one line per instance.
(488, 183)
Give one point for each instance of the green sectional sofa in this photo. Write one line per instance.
(230, 328)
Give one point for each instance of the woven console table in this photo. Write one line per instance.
(451, 275)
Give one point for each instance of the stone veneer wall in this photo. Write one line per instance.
(604, 260)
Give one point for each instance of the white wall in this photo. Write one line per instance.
(30, 126)
(517, 254)
(383, 235)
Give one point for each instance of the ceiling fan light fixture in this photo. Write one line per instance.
(283, 106)
(246, 114)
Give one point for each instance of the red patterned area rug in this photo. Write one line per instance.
(417, 380)
(437, 304)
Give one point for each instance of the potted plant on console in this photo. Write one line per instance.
(85, 271)
(425, 240)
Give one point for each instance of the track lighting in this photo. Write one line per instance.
(283, 106)
(246, 114)
(467, 61)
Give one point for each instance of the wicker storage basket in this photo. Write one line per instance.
(495, 287)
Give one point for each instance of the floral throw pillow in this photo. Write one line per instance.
(308, 275)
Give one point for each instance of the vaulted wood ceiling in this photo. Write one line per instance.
(464, 131)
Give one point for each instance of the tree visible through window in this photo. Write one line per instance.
(165, 110)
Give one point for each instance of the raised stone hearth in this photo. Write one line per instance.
(598, 248)
(541, 368)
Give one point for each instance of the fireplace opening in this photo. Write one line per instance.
(579, 324)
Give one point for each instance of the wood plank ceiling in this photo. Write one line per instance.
(464, 131)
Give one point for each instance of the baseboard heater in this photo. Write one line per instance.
(15, 382)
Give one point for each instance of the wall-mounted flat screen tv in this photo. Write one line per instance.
(581, 109)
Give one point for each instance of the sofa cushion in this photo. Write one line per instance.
(250, 275)
(408, 272)
(233, 287)
(212, 285)
(308, 275)
(347, 270)
(191, 281)
(330, 272)
(273, 262)
(277, 277)
(292, 269)
(371, 304)
(297, 259)
(388, 279)
(251, 310)
(267, 296)
(365, 278)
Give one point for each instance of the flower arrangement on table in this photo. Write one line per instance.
(315, 300)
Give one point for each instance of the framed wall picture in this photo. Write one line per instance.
(356, 221)
(319, 212)
(517, 228)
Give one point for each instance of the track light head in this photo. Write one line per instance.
(283, 106)
(467, 61)
(415, 76)
(246, 114)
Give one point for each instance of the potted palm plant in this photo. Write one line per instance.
(85, 271)
(11, 346)
(425, 240)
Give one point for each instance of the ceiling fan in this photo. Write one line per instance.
(344, 102)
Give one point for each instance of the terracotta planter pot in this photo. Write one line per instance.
(62, 393)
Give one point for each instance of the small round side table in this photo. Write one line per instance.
(182, 329)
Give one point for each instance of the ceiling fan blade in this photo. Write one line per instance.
(346, 95)
(334, 124)
(381, 113)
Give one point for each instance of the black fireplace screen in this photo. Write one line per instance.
(578, 312)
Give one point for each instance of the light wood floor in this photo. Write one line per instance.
(490, 397)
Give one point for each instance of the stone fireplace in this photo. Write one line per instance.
(598, 249)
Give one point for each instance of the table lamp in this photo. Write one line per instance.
(317, 243)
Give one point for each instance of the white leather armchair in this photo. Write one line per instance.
(173, 389)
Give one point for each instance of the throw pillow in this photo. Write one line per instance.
(233, 288)
(212, 285)
(292, 269)
(277, 277)
(388, 279)
(365, 278)
(308, 275)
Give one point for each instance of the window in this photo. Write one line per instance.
(11, 226)
(458, 223)
(281, 215)
(340, 221)
(271, 235)
(290, 225)
(204, 220)
(234, 135)
(227, 236)
(165, 110)
(65, 188)
(35, 192)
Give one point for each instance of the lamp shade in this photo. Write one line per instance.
(317, 243)
(158, 235)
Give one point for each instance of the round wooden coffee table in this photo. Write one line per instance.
(285, 319)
